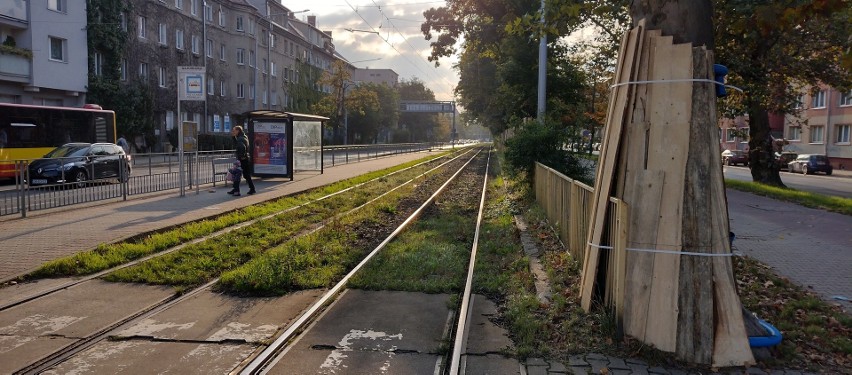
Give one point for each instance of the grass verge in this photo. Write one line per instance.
(825, 202)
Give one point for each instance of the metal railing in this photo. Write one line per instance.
(158, 172)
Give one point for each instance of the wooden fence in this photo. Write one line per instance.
(567, 204)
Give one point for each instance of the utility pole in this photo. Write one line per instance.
(542, 69)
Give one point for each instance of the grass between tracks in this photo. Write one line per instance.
(235, 250)
(825, 202)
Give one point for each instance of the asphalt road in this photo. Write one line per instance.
(836, 185)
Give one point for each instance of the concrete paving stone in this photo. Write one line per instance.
(577, 361)
(491, 364)
(677, 372)
(536, 370)
(215, 317)
(536, 362)
(556, 366)
(16, 352)
(150, 357)
(618, 363)
(355, 362)
(597, 356)
(755, 371)
(581, 370)
(484, 336)
(618, 371)
(597, 364)
(638, 369)
(635, 361)
(20, 291)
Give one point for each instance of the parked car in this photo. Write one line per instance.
(734, 157)
(80, 162)
(811, 163)
(784, 158)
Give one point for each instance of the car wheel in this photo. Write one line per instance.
(728, 162)
(80, 178)
(828, 173)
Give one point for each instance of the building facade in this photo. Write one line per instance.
(377, 76)
(822, 126)
(43, 58)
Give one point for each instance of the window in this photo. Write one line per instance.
(846, 98)
(143, 24)
(251, 92)
(163, 34)
(221, 17)
(272, 67)
(208, 48)
(123, 69)
(208, 13)
(800, 100)
(143, 71)
(241, 88)
(251, 27)
(161, 77)
(222, 52)
(211, 86)
(240, 23)
(124, 22)
(272, 40)
(843, 134)
(179, 4)
(196, 41)
(287, 74)
(241, 56)
(816, 134)
(251, 58)
(170, 120)
(57, 5)
(818, 100)
(274, 99)
(264, 66)
(98, 63)
(744, 132)
(57, 49)
(223, 88)
(795, 133)
(193, 7)
(179, 39)
(264, 97)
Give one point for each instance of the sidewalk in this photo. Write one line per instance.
(26, 243)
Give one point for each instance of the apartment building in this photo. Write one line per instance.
(377, 76)
(822, 127)
(43, 57)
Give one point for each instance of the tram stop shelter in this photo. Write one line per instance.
(283, 142)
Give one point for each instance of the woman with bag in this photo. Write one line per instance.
(241, 145)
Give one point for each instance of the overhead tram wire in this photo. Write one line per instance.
(394, 48)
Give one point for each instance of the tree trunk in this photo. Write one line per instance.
(688, 21)
(761, 157)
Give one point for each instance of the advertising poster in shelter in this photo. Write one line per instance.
(270, 148)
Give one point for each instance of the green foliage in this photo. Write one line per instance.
(305, 89)
(534, 142)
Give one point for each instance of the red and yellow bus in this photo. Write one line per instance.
(30, 131)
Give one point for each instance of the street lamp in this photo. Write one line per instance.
(269, 37)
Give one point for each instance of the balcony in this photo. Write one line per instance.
(14, 67)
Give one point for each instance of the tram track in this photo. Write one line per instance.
(109, 330)
(271, 359)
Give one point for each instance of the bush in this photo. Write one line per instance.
(534, 142)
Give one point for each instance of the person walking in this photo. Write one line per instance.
(241, 145)
(122, 142)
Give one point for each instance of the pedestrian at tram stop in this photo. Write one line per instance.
(241, 152)
(122, 142)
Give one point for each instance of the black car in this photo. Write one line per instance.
(80, 162)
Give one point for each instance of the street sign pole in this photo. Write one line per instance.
(191, 86)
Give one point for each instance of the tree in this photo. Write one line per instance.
(421, 126)
(774, 49)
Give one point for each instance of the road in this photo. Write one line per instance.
(835, 185)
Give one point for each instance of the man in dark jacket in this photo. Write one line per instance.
(241, 144)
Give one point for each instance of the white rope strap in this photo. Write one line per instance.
(675, 81)
(675, 252)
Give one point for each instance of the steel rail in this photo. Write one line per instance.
(259, 363)
(460, 345)
(70, 350)
(218, 233)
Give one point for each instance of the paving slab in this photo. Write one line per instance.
(370, 332)
(18, 291)
(491, 364)
(155, 357)
(215, 317)
(484, 336)
(42, 326)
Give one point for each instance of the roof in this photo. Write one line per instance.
(263, 113)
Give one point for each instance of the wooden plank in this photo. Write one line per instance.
(695, 300)
(604, 178)
(668, 149)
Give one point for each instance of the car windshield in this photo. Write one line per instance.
(68, 150)
(819, 158)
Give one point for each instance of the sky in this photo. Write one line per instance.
(399, 42)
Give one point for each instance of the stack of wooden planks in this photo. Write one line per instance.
(660, 155)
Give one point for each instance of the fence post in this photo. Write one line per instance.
(22, 174)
